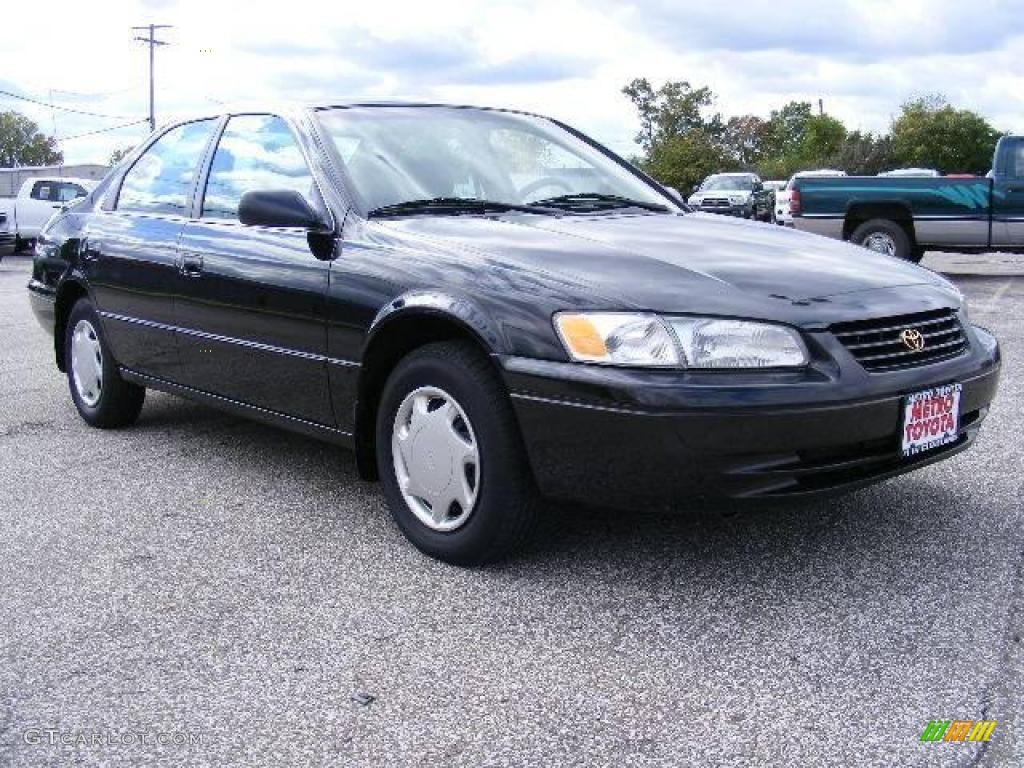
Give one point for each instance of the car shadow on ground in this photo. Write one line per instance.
(898, 517)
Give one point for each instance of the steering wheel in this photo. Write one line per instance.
(544, 181)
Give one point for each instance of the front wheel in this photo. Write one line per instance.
(102, 397)
(451, 459)
(884, 236)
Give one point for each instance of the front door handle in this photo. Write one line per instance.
(191, 264)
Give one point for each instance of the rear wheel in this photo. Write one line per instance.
(450, 457)
(883, 236)
(102, 397)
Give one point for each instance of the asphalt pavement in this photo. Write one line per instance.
(202, 590)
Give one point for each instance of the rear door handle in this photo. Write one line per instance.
(191, 264)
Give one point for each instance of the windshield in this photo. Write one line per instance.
(396, 155)
(724, 183)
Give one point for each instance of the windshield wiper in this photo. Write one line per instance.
(599, 201)
(456, 205)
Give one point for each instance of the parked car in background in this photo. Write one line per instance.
(904, 216)
(774, 187)
(37, 200)
(734, 194)
(782, 214)
(923, 172)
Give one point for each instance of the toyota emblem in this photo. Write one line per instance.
(912, 339)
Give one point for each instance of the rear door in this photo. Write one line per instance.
(250, 301)
(1008, 196)
(130, 254)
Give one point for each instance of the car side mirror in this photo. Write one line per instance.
(278, 208)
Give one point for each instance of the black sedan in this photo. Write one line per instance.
(491, 308)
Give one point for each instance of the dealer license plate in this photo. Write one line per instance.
(931, 419)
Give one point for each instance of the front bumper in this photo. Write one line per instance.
(743, 210)
(639, 439)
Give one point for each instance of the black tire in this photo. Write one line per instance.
(119, 402)
(902, 247)
(505, 508)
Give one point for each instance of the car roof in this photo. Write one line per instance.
(71, 179)
(297, 107)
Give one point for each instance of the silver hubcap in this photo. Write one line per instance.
(87, 362)
(880, 242)
(437, 462)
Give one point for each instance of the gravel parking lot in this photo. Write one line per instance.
(202, 576)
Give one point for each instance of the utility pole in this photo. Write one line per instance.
(152, 42)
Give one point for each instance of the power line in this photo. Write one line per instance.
(106, 130)
(152, 42)
(62, 108)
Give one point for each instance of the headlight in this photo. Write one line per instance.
(617, 339)
(644, 340)
(716, 343)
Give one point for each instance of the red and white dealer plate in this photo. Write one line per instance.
(931, 419)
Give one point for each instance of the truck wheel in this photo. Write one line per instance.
(102, 397)
(883, 236)
(450, 456)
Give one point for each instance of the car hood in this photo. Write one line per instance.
(694, 263)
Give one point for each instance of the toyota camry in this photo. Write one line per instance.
(491, 309)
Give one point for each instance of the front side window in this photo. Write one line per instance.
(161, 178)
(68, 191)
(255, 152)
(396, 155)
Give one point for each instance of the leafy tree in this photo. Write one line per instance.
(681, 142)
(746, 139)
(929, 133)
(21, 143)
(786, 130)
(823, 137)
(674, 109)
(863, 154)
(684, 160)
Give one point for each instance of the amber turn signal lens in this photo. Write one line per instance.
(582, 337)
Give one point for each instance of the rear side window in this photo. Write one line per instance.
(255, 152)
(161, 178)
(42, 190)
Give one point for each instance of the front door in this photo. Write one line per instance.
(250, 301)
(1008, 196)
(130, 254)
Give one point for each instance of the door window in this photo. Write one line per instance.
(256, 152)
(41, 190)
(67, 191)
(161, 178)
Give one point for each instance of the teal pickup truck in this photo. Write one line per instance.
(905, 216)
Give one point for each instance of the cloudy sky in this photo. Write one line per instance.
(566, 59)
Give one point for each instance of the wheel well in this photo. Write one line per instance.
(898, 213)
(390, 344)
(69, 293)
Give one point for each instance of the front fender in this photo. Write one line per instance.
(460, 309)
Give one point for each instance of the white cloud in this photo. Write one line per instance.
(566, 58)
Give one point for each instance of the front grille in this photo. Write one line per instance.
(878, 345)
(715, 202)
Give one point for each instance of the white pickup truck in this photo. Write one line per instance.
(22, 217)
